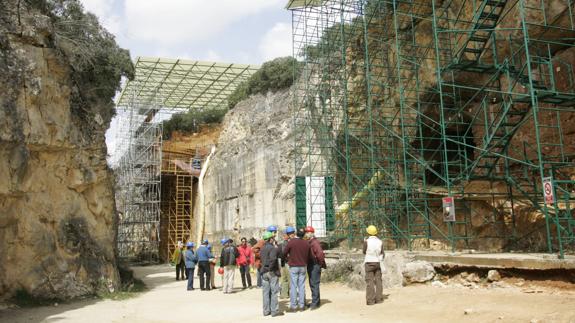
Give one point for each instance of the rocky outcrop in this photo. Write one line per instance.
(418, 272)
(56, 193)
(249, 183)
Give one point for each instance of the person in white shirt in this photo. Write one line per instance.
(374, 254)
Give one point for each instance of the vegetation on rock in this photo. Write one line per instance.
(97, 62)
(190, 121)
(274, 75)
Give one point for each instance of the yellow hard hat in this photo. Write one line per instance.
(371, 230)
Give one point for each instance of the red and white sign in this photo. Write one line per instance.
(548, 193)
(448, 209)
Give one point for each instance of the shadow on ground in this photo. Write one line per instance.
(153, 276)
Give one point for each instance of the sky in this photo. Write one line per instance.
(229, 31)
(234, 31)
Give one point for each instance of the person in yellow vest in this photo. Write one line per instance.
(178, 259)
(374, 254)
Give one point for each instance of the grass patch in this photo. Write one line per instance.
(131, 290)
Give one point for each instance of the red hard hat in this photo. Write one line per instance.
(221, 271)
(309, 229)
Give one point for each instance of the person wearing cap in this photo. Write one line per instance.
(256, 249)
(190, 261)
(374, 254)
(178, 260)
(314, 266)
(285, 277)
(270, 275)
(244, 261)
(297, 253)
(274, 230)
(204, 255)
(228, 261)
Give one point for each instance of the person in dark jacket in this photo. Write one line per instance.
(297, 252)
(190, 259)
(204, 256)
(285, 278)
(228, 261)
(316, 263)
(270, 255)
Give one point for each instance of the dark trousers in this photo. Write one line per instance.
(245, 273)
(181, 271)
(259, 277)
(314, 273)
(204, 274)
(373, 289)
(190, 275)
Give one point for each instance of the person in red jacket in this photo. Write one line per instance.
(244, 261)
(317, 262)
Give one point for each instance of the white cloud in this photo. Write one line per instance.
(276, 42)
(104, 10)
(180, 21)
(212, 56)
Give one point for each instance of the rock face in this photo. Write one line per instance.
(56, 191)
(249, 184)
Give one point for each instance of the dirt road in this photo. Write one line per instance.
(168, 301)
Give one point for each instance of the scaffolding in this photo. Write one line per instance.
(406, 103)
(138, 183)
(162, 87)
(179, 170)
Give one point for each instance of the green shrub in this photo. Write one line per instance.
(190, 121)
(97, 62)
(273, 75)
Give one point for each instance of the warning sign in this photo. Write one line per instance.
(448, 209)
(548, 194)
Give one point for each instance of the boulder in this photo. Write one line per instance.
(493, 275)
(418, 272)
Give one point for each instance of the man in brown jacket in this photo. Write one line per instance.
(297, 252)
(256, 249)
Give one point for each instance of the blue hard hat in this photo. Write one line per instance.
(272, 228)
(290, 230)
(190, 244)
(205, 241)
(224, 240)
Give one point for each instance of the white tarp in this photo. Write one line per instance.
(315, 204)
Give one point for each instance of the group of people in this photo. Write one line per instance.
(186, 261)
(282, 266)
(298, 255)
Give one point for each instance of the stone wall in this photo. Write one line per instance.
(249, 183)
(56, 194)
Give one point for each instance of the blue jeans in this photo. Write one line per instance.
(314, 273)
(190, 274)
(297, 287)
(271, 288)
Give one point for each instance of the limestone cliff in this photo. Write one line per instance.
(57, 209)
(248, 185)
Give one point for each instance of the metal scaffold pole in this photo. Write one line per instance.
(409, 104)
